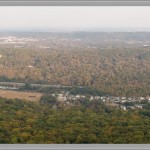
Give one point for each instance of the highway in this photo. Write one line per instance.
(20, 84)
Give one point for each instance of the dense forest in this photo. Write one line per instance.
(30, 122)
(115, 63)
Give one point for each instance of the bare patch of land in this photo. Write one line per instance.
(29, 96)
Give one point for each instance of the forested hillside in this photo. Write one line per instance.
(115, 63)
(29, 122)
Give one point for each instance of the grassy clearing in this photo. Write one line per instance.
(29, 96)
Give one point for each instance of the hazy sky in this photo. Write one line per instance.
(73, 17)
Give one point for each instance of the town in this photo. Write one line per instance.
(124, 103)
(68, 99)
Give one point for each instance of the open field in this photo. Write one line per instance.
(29, 96)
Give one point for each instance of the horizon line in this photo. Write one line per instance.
(79, 29)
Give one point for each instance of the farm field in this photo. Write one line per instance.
(28, 96)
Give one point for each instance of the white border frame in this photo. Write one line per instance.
(75, 146)
(74, 3)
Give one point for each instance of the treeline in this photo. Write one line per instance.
(29, 122)
(86, 91)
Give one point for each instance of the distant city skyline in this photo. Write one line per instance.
(73, 18)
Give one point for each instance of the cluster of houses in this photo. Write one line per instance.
(15, 40)
(124, 102)
(117, 102)
(8, 88)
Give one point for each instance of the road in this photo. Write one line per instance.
(20, 84)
